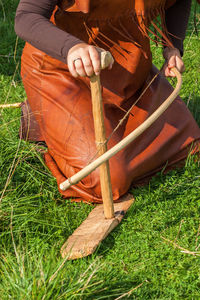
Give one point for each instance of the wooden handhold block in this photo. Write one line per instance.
(94, 229)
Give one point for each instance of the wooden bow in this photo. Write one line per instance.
(127, 140)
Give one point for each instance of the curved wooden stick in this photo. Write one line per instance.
(127, 140)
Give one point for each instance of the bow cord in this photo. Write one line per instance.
(123, 119)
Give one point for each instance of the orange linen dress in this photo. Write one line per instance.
(61, 104)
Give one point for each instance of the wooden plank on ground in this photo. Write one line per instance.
(94, 229)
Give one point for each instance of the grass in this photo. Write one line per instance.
(153, 254)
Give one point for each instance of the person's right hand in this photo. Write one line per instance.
(84, 60)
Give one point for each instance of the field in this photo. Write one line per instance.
(153, 254)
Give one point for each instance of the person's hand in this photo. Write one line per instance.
(84, 60)
(172, 59)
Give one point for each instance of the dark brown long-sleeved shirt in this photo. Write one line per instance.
(32, 24)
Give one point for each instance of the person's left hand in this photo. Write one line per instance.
(172, 59)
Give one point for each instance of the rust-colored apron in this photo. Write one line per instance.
(61, 104)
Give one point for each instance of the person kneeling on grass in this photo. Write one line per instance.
(62, 52)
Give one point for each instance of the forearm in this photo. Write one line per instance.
(177, 18)
(32, 25)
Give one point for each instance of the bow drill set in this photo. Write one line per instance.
(104, 217)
